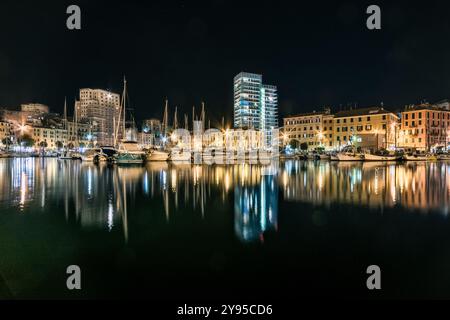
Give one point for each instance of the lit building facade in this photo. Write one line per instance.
(424, 127)
(368, 128)
(101, 109)
(255, 104)
(152, 126)
(314, 129)
(56, 138)
(34, 108)
(6, 133)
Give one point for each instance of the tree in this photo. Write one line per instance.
(59, 144)
(26, 140)
(43, 144)
(294, 144)
(304, 146)
(6, 142)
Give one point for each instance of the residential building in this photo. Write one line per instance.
(34, 108)
(152, 126)
(315, 129)
(424, 127)
(146, 139)
(6, 133)
(101, 109)
(368, 128)
(255, 104)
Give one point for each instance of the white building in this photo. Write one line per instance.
(255, 104)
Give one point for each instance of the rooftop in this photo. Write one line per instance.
(361, 112)
(314, 113)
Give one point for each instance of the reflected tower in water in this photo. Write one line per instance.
(255, 208)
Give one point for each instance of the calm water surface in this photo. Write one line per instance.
(166, 231)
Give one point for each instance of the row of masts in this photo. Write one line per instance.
(202, 118)
(120, 123)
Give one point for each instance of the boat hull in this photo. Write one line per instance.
(374, 157)
(130, 158)
(419, 158)
(443, 157)
(157, 156)
(184, 157)
(346, 157)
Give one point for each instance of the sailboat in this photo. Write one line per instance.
(160, 154)
(66, 154)
(128, 151)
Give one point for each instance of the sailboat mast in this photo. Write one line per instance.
(124, 105)
(202, 116)
(75, 116)
(193, 118)
(175, 119)
(65, 113)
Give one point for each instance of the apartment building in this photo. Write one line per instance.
(315, 129)
(368, 128)
(424, 127)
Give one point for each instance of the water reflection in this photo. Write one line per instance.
(106, 197)
(256, 208)
(413, 185)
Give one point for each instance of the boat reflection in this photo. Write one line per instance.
(107, 197)
(416, 186)
(103, 196)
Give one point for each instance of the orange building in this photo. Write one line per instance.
(424, 127)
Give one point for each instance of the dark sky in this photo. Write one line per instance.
(317, 54)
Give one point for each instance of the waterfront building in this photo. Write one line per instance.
(152, 126)
(29, 114)
(146, 139)
(6, 133)
(45, 137)
(101, 109)
(56, 137)
(78, 134)
(255, 104)
(34, 108)
(371, 128)
(315, 129)
(424, 127)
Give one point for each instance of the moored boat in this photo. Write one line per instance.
(129, 153)
(443, 156)
(66, 155)
(157, 155)
(419, 157)
(93, 155)
(382, 155)
(180, 156)
(349, 154)
(4, 154)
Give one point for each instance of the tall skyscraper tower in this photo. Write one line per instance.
(255, 104)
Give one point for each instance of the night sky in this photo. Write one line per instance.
(189, 51)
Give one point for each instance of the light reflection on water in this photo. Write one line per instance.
(413, 185)
(98, 196)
